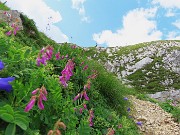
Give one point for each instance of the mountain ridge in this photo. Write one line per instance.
(151, 66)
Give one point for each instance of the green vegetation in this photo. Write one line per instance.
(151, 79)
(3, 6)
(106, 107)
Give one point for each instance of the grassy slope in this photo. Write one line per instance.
(106, 95)
(151, 82)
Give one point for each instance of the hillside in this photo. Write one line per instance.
(148, 67)
(47, 88)
(54, 89)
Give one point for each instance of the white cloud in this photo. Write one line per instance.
(39, 11)
(138, 26)
(58, 36)
(170, 13)
(79, 6)
(168, 3)
(177, 23)
(173, 35)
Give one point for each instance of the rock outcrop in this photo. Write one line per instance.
(153, 66)
(11, 17)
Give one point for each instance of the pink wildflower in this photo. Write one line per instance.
(120, 126)
(91, 116)
(85, 95)
(44, 55)
(73, 47)
(30, 104)
(110, 131)
(80, 110)
(40, 104)
(85, 67)
(41, 93)
(67, 73)
(82, 63)
(88, 85)
(8, 33)
(57, 56)
(84, 105)
(62, 80)
(77, 97)
(34, 92)
(15, 30)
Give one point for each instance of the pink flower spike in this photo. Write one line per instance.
(43, 97)
(8, 33)
(40, 104)
(85, 67)
(76, 97)
(82, 63)
(38, 61)
(45, 92)
(57, 55)
(42, 50)
(15, 32)
(30, 104)
(85, 95)
(34, 92)
(80, 110)
(85, 107)
(63, 81)
(91, 124)
(12, 25)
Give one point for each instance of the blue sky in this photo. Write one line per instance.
(105, 22)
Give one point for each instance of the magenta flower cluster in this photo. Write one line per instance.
(15, 29)
(87, 86)
(80, 95)
(40, 94)
(91, 116)
(58, 57)
(67, 72)
(44, 55)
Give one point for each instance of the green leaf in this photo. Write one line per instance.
(7, 117)
(11, 129)
(21, 123)
(9, 109)
(21, 120)
(27, 53)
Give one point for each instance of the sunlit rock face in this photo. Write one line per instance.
(11, 17)
(154, 66)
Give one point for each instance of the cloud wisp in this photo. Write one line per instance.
(79, 6)
(167, 3)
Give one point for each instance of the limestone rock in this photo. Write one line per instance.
(11, 17)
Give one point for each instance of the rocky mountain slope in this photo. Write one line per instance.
(152, 66)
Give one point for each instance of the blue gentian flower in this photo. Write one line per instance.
(4, 84)
(1, 65)
(128, 109)
(139, 123)
(125, 98)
